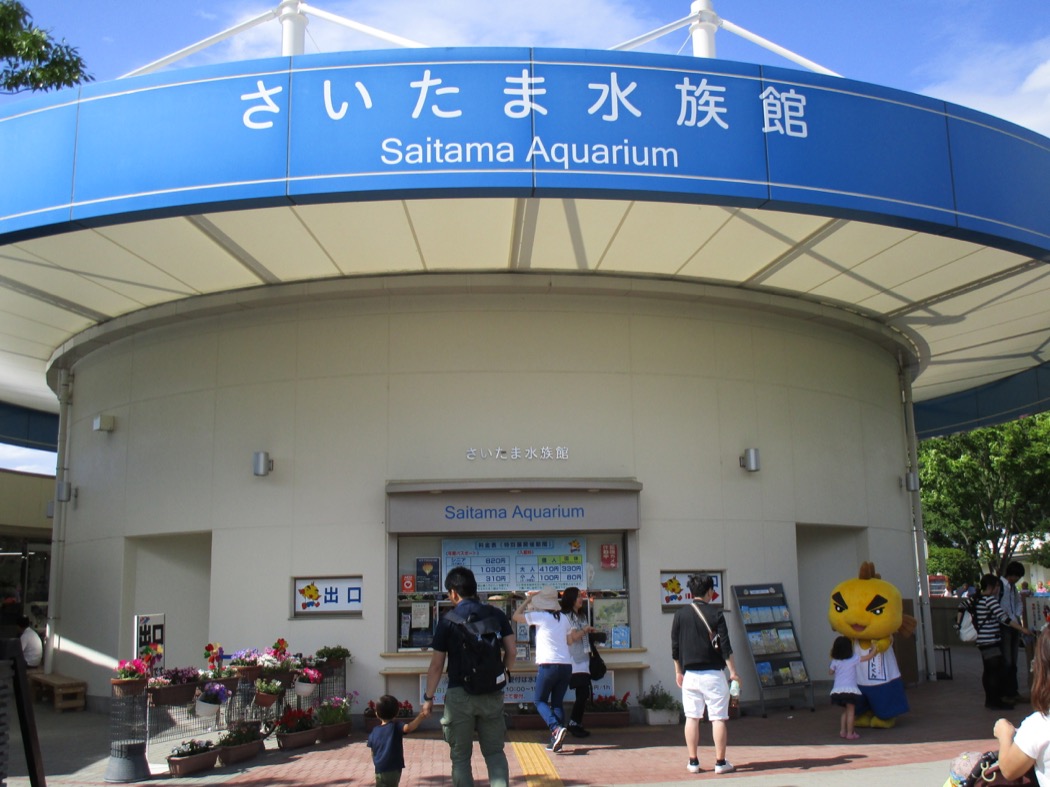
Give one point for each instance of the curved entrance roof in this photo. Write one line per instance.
(918, 222)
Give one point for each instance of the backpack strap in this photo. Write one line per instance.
(707, 625)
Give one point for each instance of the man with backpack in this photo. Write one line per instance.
(478, 642)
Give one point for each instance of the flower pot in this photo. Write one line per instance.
(265, 700)
(371, 722)
(183, 766)
(304, 689)
(296, 740)
(206, 709)
(179, 694)
(335, 732)
(241, 752)
(654, 716)
(127, 687)
(615, 718)
(248, 672)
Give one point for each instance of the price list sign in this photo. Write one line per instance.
(502, 564)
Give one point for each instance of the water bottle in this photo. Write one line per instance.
(734, 693)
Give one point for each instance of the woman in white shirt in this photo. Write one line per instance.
(553, 660)
(1025, 747)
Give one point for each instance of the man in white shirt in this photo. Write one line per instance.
(1010, 601)
(32, 647)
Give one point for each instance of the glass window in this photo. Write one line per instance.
(506, 567)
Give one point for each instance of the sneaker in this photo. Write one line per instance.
(693, 766)
(725, 767)
(557, 737)
(578, 730)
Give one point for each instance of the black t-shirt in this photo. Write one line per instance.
(446, 631)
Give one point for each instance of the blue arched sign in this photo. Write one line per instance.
(521, 122)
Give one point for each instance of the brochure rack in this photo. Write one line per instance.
(772, 640)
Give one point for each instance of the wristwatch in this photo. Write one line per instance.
(426, 698)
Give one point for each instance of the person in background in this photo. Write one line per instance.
(388, 751)
(987, 618)
(699, 670)
(1024, 748)
(1010, 637)
(580, 650)
(469, 714)
(32, 647)
(553, 659)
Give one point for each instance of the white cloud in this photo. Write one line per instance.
(27, 460)
(1011, 82)
(546, 23)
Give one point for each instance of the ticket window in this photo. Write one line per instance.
(506, 567)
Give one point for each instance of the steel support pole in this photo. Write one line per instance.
(702, 31)
(924, 609)
(293, 28)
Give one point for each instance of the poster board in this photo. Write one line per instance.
(674, 587)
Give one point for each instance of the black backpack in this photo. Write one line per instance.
(479, 643)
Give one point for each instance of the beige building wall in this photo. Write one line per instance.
(24, 498)
(348, 394)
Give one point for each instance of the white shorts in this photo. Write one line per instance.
(708, 689)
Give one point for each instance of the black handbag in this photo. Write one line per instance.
(986, 772)
(597, 665)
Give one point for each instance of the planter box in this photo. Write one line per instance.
(296, 740)
(335, 732)
(248, 672)
(182, 766)
(332, 666)
(127, 687)
(179, 694)
(655, 717)
(284, 678)
(525, 721)
(616, 718)
(241, 752)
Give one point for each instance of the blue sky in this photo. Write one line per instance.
(992, 56)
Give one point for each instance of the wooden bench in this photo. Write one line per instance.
(66, 693)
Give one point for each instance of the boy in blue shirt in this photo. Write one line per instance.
(388, 752)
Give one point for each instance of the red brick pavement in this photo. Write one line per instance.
(947, 717)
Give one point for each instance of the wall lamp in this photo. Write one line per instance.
(911, 481)
(749, 460)
(103, 423)
(262, 464)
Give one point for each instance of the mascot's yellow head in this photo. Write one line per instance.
(866, 608)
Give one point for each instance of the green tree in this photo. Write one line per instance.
(987, 492)
(954, 563)
(30, 59)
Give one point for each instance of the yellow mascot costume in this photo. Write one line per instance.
(868, 610)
